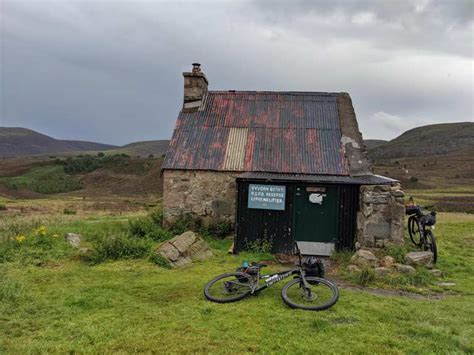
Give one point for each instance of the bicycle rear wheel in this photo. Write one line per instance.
(430, 245)
(230, 287)
(414, 230)
(320, 295)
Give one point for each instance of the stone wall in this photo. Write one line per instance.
(380, 216)
(208, 195)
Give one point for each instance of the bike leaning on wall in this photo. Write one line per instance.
(420, 226)
(308, 290)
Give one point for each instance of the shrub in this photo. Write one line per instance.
(219, 230)
(150, 156)
(81, 164)
(184, 223)
(146, 228)
(413, 179)
(117, 247)
(69, 211)
(157, 216)
(44, 179)
(100, 154)
(157, 259)
(3, 207)
(397, 252)
(259, 246)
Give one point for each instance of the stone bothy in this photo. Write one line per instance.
(281, 166)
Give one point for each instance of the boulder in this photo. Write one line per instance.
(73, 239)
(405, 269)
(387, 261)
(382, 271)
(419, 258)
(352, 269)
(364, 258)
(184, 249)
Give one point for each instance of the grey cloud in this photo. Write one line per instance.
(111, 71)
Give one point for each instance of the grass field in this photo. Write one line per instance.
(133, 305)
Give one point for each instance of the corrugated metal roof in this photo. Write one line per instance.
(359, 180)
(235, 153)
(285, 132)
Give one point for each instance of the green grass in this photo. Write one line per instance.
(452, 199)
(48, 179)
(137, 306)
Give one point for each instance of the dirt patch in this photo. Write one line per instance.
(108, 181)
(18, 194)
(389, 293)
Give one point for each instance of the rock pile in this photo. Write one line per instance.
(364, 258)
(184, 248)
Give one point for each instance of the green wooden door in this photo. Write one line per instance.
(315, 218)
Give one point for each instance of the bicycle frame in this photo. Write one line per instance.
(271, 279)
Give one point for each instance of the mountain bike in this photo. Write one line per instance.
(420, 226)
(308, 290)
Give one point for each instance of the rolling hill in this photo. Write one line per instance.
(431, 140)
(371, 143)
(17, 141)
(142, 149)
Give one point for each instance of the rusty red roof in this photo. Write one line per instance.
(279, 132)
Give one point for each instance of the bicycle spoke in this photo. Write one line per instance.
(315, 294)
(230, 287)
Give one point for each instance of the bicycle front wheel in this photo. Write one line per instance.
(430, 245)
(414, 230)
(230, 287)
(320, 294)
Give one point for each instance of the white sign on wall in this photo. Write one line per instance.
(267, 197)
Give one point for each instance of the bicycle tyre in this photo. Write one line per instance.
(237, 275)
(312, 280)
(414, 233)
(430, 244)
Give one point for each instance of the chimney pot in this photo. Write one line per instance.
(196, 67)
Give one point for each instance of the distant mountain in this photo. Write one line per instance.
(17, 141)
(370, 143)
(437, 139)
(142, 149)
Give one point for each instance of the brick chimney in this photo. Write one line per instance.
(195, 87)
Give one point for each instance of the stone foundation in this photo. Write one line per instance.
(380, 216)
(208, 195)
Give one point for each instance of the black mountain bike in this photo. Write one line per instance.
(420, 226)
(308, 290)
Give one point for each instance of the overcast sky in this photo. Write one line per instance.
(110, 71)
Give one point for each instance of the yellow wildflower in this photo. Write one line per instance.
(20, 238)
(41, 230)
(55, 235)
